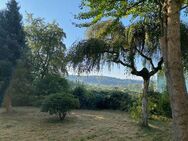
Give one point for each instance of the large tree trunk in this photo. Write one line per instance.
(170, 44)
(145, 103)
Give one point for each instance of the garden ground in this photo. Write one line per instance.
(29, 124)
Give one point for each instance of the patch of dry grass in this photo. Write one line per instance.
(29, 124)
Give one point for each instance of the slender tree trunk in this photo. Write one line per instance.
(170, 45)
(8, 103)
(7, 97)
(145, 103)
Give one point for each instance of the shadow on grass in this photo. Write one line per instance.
(56, 120)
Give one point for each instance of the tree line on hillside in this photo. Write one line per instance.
(33, 58)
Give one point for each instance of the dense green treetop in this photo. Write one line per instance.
(46, 43)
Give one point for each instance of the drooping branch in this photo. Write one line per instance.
(122, 63)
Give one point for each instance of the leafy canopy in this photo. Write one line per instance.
(46, 43)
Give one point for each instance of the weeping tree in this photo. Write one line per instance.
(110, 42)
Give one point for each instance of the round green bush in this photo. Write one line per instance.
(59, 104)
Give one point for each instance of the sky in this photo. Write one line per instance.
(63, 11)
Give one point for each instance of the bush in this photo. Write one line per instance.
(158, 104)
(100, 100)
(59, 104)
(135, 109)
(119, 100)
(81, 93)
(165, 105)
(92, 99)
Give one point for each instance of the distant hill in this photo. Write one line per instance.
(103, 80)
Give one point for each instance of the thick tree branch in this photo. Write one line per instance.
(159, 67)
(144, 73)
(146, 57)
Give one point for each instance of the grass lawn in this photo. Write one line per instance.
(29, 124)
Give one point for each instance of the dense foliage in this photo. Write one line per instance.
(51, 84)
(93, 99)
(59, 104)
(159, 103)
(45, 41)
(30, 93)
(83, 96)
